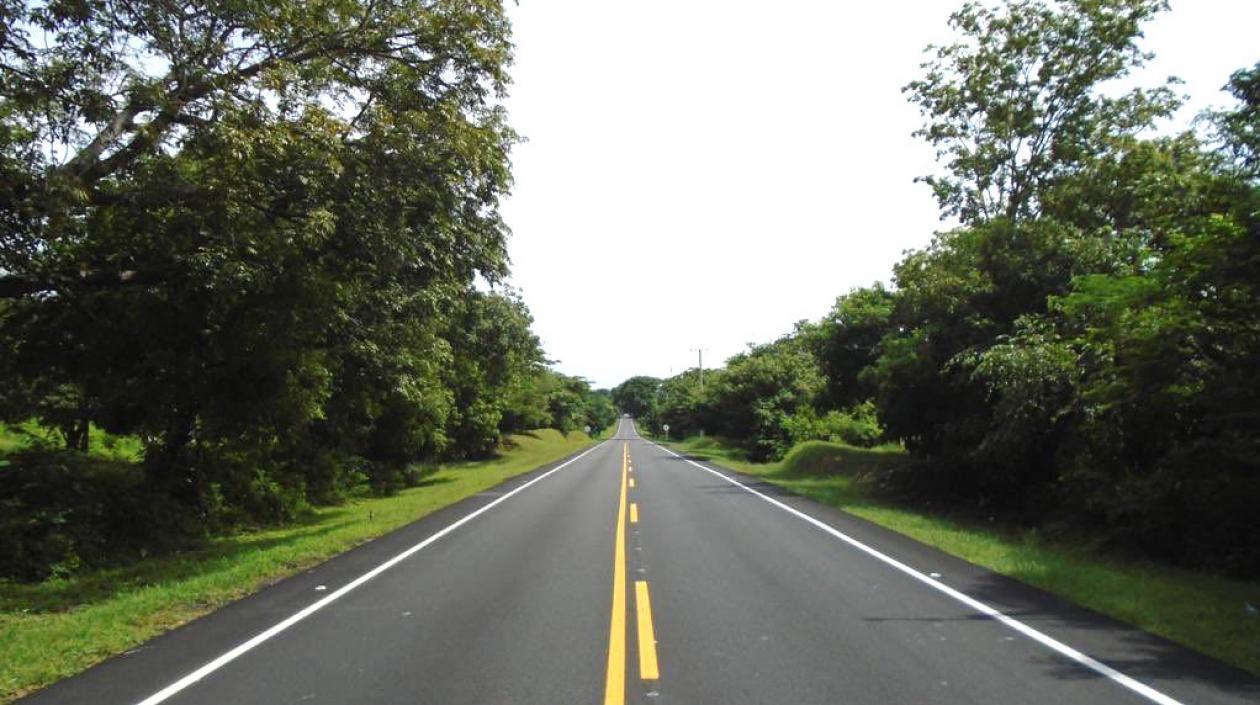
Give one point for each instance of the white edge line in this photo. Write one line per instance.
(307, 611)
(1041, 638)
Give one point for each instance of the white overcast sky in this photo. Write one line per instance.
(704, 173)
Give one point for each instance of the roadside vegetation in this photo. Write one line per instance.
(250, 267)
(1079, 355)
(58, 627)
(1209, 613)
(252, 302)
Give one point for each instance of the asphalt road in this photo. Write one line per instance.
(629, 574)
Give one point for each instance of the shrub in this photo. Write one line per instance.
(62, 511)
(856, 426)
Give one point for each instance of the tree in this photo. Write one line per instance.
(600, 411)
(492, 348)
(1239, 129)
(846, 342)
(1149, 374)
(637, 396)
(239, 230)
(1016, 104)
(760, 390)
(684, 404)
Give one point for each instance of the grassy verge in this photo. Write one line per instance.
(16, 437)
(57, 628)
(608, 431)
(1205, 612)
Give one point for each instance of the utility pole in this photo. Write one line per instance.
(700, 353)
(700, 363)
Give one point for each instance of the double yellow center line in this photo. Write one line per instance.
(615, 682)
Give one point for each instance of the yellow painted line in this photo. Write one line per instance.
(632, 483)
(615, 680)
(648, 668)
(634, 513)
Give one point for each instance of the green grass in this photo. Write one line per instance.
(16, 437)
(57, 628)
(1203, 611)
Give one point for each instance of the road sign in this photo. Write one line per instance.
(665, 427)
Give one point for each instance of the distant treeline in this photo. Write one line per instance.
(1083, 350)
(251, 235)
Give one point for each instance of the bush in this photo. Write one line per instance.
(62, 511)
(857, 426)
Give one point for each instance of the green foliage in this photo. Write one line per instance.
(600, 411)
(1083, 350)
(1162, 396)
(1015, 105)
(823, 458)
(637, 396)
(954, 300)
(62, 512)
(1190, 607)
(683, 405)
(253, 239)
(59, 627)
(759, 391)
(1086, 352)
(255, 249)
(846, 342)
(857, 426)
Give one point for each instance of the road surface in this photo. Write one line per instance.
(630, 574)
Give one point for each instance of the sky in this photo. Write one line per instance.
(705, 173)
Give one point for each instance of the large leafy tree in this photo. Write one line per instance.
(1239, 129)
(1084, 345)
(1042, 167)
(231, 226)
(637, 396)
(493, 349)
(600, 411)
(1147, 375)
(682, 402)
(1015, 105)
(759, 390)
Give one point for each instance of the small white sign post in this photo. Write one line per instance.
(665, 428)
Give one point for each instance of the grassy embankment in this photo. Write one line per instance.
(1206, 612)
(56, 628)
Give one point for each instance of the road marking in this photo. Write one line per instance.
(634, 513)
(615, 678)
(632, 483)
(648, 669)
(237, 652)
(1046, 640)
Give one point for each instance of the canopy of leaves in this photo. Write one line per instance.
(1083, 350)
(636, 396)
(1017, 103)
(250, 234)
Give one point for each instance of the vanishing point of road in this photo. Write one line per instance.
(630, 574)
